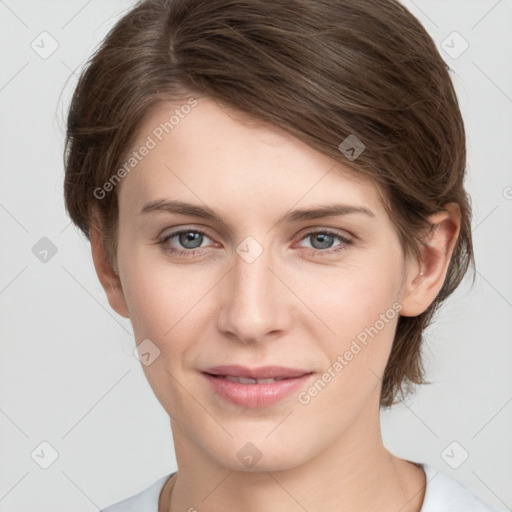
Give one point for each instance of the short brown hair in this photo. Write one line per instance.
(320, 69)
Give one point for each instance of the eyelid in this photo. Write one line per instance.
(327, 229)
(200, 228)
(172, 231)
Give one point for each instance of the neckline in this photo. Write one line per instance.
(428, 472)
(169, 492)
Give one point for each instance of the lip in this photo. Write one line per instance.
(255, 395)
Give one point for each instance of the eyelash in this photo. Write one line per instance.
(310, 251)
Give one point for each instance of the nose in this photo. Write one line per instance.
(256, 305)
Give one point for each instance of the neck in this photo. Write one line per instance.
(354, 473)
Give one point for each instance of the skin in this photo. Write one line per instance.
(296, 305)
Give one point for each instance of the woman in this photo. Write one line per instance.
(274, 195)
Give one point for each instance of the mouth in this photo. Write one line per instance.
(248, 380)
(256, 387)
(260, 373)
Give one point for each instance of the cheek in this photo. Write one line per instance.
(351, 298)
(360, 307)
(357, 356)
(164, 304)
(163, 299)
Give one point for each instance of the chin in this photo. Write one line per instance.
(259, 454)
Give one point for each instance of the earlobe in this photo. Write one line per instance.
(426, 276)
(108, 276)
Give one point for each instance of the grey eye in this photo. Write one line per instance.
(190, 239)
(321, 240)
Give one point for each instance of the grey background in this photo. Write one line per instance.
(67, 373)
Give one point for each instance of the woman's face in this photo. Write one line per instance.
(254, 286)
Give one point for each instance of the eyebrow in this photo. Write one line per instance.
(204, 212)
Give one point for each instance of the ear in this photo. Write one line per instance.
(425, 277)
(107, 275)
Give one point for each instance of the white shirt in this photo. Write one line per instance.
(442, 494)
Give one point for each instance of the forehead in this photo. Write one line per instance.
(211, 152)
